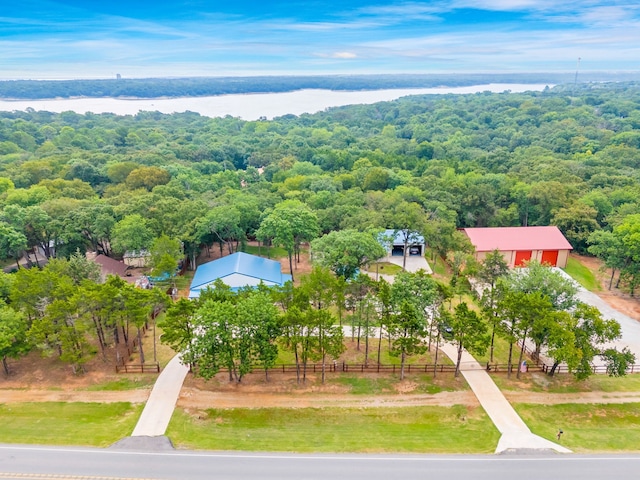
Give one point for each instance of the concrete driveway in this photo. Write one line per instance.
(630, 327)
(413, 264)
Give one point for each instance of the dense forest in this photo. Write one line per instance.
(206, 86)
(567, 156)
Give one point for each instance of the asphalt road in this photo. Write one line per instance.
(23, 462)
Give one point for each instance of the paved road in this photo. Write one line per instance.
(72, 464)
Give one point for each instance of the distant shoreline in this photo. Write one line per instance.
(444, 89)
(250, 106)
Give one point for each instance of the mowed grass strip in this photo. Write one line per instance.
(125, 383)
(59, 423)
(406, 429)
(582, 275)
(586, 427)
(268, 252)
(566, 383)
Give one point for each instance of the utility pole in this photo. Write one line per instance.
(575, 80)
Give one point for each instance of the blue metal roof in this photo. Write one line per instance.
(414, 237)
(245, 268)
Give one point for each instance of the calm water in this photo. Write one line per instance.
(247, 106)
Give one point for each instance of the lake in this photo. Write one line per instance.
(249, 106)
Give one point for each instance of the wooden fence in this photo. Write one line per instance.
(343, 367)
(596, 369)
(138, 368)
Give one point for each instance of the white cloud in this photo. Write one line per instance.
(345, 55)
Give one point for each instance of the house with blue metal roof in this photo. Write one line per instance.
(238, 270)
(394, 242)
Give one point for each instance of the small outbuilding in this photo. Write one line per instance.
(238, 270)
(110, 266)
(136, 258)
(520, 245)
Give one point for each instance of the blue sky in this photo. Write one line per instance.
(98, 39)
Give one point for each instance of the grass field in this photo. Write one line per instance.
(566, 383)
(582, 275)
(500, 352)
(439, 267)
(57, 423)
(126, 383)
(407, 429)
(385, 267)
(586, 427)
(384, 384)
(268, 252)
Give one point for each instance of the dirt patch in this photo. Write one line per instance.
(581, 397)
(195, 399)
(24, 396)
(46, 379)
(35, 371)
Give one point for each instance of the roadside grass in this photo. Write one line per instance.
(125, 383)
(385, 267)
(380, 384)
(586, 427)
(566, 383)
(366, 385)
(406, 429)
(582, 275)
(58, 423)
(268, 252)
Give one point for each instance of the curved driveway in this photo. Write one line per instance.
(630, 327)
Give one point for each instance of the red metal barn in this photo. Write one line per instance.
(519, 245)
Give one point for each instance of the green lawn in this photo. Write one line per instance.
(566, 383)
(439, 266)
(500, 352)
(58, 423)
(385, 384)
(586, 427)
(126, 383)
(582, 275)
(406, 429)
(268, 252)
(385, 267)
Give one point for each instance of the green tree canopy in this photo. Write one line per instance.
(346, 251)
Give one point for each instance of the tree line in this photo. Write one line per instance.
(201, 86)
(242, 330)
(429, 164)
(66, 309)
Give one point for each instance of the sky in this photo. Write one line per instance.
(42, 39)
